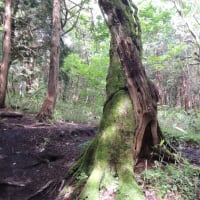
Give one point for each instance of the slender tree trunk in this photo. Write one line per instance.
(4, 66)
(50, 100)
(159, 86)
(185, 92)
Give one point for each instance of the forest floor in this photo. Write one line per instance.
(34, 157)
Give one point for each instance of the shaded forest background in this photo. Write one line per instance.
(171, 55)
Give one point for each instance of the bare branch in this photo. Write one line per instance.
(63, 23)
(197, 21)
(180, 12)
(79, 5)
(76, 20)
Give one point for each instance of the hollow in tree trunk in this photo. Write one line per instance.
(51, 96)
(128, 129)
(4, 65)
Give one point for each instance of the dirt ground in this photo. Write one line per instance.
(36, 156)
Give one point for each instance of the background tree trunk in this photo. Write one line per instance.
(50, 100)
(107, 165)
(4, 66)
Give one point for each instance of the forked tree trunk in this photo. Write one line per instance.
(128, 128)
(50, 100)
(4, 66)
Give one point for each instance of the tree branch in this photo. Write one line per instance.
(180, 12)
(76, 20)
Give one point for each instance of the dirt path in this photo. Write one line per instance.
(191, 152)
(35, 156)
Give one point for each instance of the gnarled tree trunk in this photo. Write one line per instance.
(50, 100)
(128, 128)
(106, 168)
(4, 66)
(125, 28)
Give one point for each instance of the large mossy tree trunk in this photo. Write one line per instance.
(128, 129)
(105, 170)
(5, 64)
(125, 28)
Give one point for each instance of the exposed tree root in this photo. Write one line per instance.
(105, 170)
(48, 189)
(46, 110)
(164, 153)
(5, 113)
(15, 183)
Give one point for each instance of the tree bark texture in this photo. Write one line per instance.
(123, 22)
(4, 65)
(105, 170)
(128, 129)
(50, 100)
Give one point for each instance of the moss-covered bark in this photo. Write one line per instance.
(128, 128)
(123, 23)
(112, 173)
(105, 170)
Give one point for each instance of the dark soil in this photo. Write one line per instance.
(191, 152)
(34, 157)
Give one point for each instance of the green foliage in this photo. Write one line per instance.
(85, 67)
(94, 72)
(101, 30)
(29, 103)
(169, 46)
(25, 88)
(75, 65)
(177, 50)
(173, 180)
(77, 112)
(83, 72)
(178, 138)
(82, 176)
(85, 145)
(180, 124)
(154, 19)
